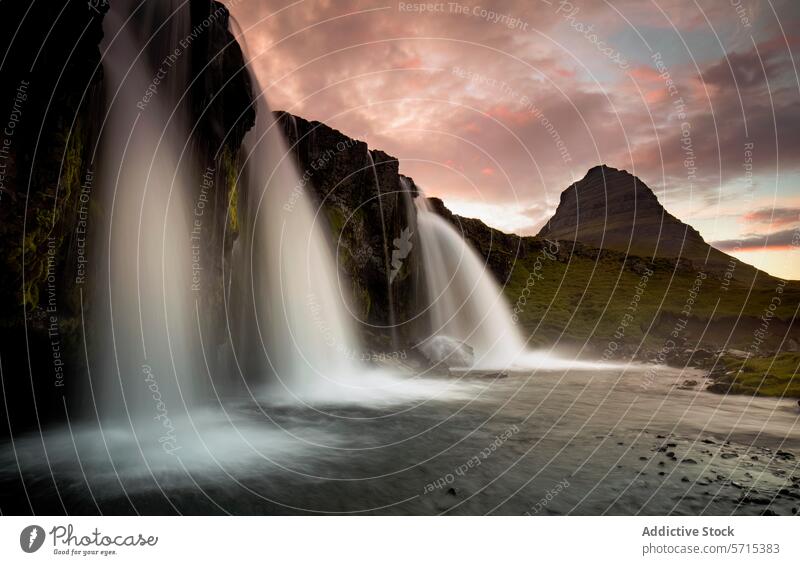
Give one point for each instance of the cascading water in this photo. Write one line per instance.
(469, 320)
(143, 313)
(303, 340)
(294, 331)
(465, 305)
(288, 320)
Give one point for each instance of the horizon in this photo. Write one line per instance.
(499, 124)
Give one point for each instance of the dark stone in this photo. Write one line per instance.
(789, 493)
(754, 500)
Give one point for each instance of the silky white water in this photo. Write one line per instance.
(464, 302)
(306, 347)
(464, 305)
(291, 331)
(304, 330)
(298, 337)
(143, 312)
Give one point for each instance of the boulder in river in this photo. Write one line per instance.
(447, 351)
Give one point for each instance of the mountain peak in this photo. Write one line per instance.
(603, 168)
(613, 209)
(611, 177)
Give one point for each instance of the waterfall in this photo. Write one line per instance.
(300, 339)
(469, 321)
(464, 304)
(288, 320)
(143, 309)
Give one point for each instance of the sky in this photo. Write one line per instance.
(497, 106)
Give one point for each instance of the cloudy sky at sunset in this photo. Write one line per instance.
(496, 107)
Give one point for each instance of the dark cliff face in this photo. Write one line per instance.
(612, 209)
(52, 105)
(49, 105)
(221, 113)
(221, 90)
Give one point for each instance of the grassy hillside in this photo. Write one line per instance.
(764, 376)
(609, 305)
(615, 307)
(584, 293)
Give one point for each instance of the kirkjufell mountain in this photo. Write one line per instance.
(612, 209)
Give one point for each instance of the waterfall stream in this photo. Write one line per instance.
(143, 314)
(291, 331)
(303, 342)
(464, 303)
(469, 320)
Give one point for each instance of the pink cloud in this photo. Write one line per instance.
(773, 216)
(388, 76)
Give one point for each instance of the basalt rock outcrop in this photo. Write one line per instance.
(51, 101)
